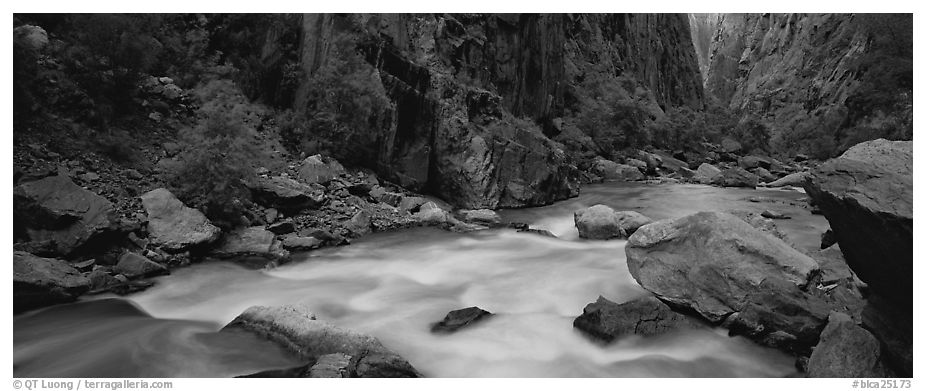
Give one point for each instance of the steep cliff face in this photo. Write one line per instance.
(462, 83)
(808, 74)
(702, 28)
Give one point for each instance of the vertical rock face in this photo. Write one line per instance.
(703, 27)
(807, 71)
(459, 83)
(867, 196)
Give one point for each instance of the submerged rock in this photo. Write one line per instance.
(722, 268)
(866, 194)
(173, 226)
(60, 215)
(602, 222)
(647, 316)
(40, 282)
(846, 350)
(296, 328)
(458, 319)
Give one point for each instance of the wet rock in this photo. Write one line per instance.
(771, 214)
(846, 350)
(735, 177)
(480, 216)
(40, 282)
(764, 175)
(301, 243)
(458, 319)
(794, 179)
(251, 241)
(722, 268)
(296, 328)
(431, 214)
(601, 222)
(133, 265)
(173, 226)
(647, 316)
(285, 194)
(317, 169)
(866, 195)
(101, 280)
(61, 215)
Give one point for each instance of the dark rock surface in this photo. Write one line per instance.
(285, 194)
(252, 241)
(647, 316)
(846, 350)
(720, 267)
(60, 215)
(458, 319)
(867, 196)
(40, 282)
(296, 328)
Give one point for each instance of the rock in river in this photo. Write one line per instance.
(722, 268)
(172, 225)
(296, 328)
(866, 195)
(133, 265)
(647, 316)
(251, 241)
(39, 282)
(602, 222)
(458, 319)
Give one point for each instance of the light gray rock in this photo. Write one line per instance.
(133, 265)
(173, 226)
(846, 350)
(601, 222)
(251, 241)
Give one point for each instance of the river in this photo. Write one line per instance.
(394, 285)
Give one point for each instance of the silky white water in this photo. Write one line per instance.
(394, 285)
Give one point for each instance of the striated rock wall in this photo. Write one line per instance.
(461, 84)
(806, 74)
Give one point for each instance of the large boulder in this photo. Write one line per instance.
(846, 350)
(317, 169)
(173, 226)
(251, 242)
(39, 282)
(285, 194)
(607, 321)
(866, 195)
(614, 171)
(461, 318)
(751, 162)
(601, 222)
(59, 214)
(719, 266)
(706, 172)
(296, 328)
(735, 177)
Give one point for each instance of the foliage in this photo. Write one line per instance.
(612, 112)
(686, 130)
(215, 166)
(346, 107)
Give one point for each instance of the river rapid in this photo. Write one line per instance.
(394, 285)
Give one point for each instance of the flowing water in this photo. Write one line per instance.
(394, 285)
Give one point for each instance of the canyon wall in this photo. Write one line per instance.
(468, 89)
